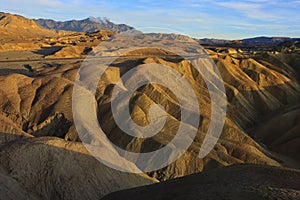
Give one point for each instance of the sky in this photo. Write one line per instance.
(197, 18)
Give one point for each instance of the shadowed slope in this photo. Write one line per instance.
(235, 182)
(281, 132)
(41, 106)
(51, 168)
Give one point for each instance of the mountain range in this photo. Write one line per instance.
(250, 41)
(90, 24)
(93, 24)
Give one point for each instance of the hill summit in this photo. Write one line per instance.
(21, 28)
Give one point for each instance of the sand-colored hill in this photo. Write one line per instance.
(38, 112)
(51, 168)
(19, 33)
(21, 28)
(257, 86)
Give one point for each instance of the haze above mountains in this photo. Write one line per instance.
(42, 157)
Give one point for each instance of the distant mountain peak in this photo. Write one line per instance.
(90, 24)
(99, 20)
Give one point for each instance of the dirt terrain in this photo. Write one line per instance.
(42, 157)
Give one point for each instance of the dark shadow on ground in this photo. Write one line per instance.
(46, 51)
(233, 182)
(7, 71)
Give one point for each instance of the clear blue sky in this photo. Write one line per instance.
(196, 18)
